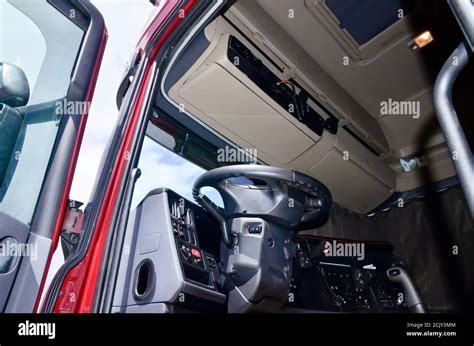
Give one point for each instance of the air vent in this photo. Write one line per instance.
(144, 279)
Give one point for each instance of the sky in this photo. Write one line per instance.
(125, 20)
(123, 37)
(161, 168)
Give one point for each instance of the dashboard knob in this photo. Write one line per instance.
(357, 274)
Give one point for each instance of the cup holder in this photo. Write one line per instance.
(144, 279)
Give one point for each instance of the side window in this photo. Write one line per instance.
(38, 50)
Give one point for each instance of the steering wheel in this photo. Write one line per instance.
(283, 196)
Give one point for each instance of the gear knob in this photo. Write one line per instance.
(413, 298)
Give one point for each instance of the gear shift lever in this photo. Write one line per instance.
(413, 298)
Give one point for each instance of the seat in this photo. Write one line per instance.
(14, 92)
(10, 124)
(25, 173)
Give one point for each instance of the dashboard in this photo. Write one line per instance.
(196, 236)
(174, 266)
(171, 265)
(344, 284)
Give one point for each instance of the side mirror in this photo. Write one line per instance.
(14, 88)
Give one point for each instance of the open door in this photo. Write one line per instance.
(50, 53)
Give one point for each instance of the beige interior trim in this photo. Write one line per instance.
(244, 113)
(218, 94)
(269, 36)
(388, 69)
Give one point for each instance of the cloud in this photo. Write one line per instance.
(162, 168)
(124, 21)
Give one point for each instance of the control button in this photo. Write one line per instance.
(394, 272)
(196, 253)
(255, 229)
(212, 262)
(184, 252)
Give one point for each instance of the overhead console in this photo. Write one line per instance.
(232, 88)
(172, 263)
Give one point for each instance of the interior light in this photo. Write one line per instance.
(421, 40)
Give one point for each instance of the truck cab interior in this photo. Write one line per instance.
(341, 194)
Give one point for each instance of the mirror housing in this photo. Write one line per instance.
(14, 88)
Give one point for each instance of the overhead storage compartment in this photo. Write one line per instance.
(219, 94)
(348, 181)
(234, 105)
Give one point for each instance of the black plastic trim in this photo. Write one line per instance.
(49, 202)
(416, 193)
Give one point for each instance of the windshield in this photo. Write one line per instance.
(162, 165)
